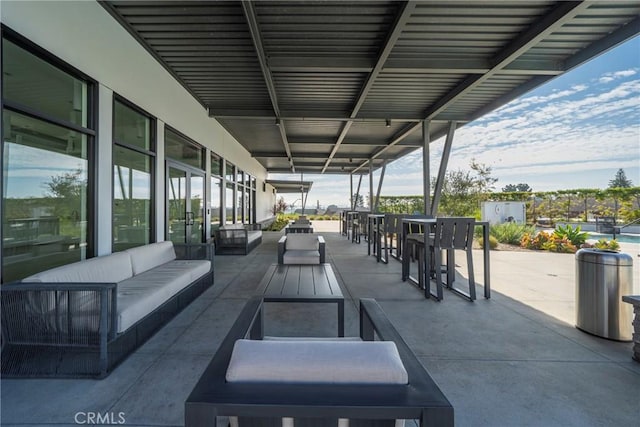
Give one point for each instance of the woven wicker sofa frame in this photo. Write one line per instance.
(29, 350)
(236, 241)
(316, 404)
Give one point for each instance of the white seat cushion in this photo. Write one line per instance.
(145, 292)
(253, 235)
(303, 241)
(104, 269)
(144, 258)
(197, 267)
(301, 257)
(316, 362)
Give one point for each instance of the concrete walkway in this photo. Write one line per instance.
(513, 360)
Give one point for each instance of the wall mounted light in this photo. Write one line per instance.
(277, 121)
(388, 123)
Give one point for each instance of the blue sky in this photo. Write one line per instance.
(575, 131)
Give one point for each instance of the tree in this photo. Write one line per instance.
(359, 201)
(511, 188)
(462, 191)
(620, 180)
(280, 206)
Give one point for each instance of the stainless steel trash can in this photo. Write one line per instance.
(602, 278)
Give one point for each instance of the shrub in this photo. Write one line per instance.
(548, 242)
(611, 245)
(493, 242)
(574, 235)
(277, 225)
(510, 232)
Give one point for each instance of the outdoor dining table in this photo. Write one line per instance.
(428, 224)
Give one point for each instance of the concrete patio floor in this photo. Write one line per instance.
(513, 360)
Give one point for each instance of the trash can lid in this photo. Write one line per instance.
(604, 256)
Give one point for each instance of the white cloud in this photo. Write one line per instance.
(609, 77)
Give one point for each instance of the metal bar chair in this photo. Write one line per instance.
(451, 234)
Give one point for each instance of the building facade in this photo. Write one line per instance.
(103, 149)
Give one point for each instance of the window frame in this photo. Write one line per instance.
(91, 131)
(153, 161)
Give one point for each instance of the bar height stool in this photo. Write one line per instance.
(451, 234)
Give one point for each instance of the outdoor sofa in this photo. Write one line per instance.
(237, 239)
(82, 319)
(364, 387)
(301, 248)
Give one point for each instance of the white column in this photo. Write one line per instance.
(104, 172)
(161, 197)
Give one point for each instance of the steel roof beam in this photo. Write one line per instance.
(401, 20)
(320, 116)
(549, 23)
(342, 156)
(288, 64)
(256, 38)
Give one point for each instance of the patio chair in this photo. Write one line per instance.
(451, 234)
(359, 227)
(284, 382)
(301, 248)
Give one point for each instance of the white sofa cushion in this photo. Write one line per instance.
(144, 258)
(236, 226)
(253, 235)
(318, 362)
(143, 293)
(105, 269)
(302, 241)
(197, 267)
(301, 257)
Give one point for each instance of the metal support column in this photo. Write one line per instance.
(351, 189)
(355, 200)
(426, 172)
(371, 185)
(375, 206)
(437, 192)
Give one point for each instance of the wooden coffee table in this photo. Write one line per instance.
(303, 283)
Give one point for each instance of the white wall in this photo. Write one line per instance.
(83, 34)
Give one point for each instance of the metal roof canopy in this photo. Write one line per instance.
(331, 87)
(282, 186)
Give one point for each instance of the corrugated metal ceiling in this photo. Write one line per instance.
(333, 73)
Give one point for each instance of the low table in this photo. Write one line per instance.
(303, 283)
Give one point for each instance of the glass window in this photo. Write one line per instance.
(45, 196)
(216, 165)
(240, 205)
(31, 82)
(240, 177)
(131, 127)
(215, 203)
(230, 203)
(132, 203)
(181, 149)
(230, 173)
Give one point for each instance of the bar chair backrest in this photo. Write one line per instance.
(454, 233)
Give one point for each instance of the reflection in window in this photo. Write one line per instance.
(181, 149)
(131, 198)
(131, 128)
(216, 165)
(31, 82)
(230, 203)
(240, 205)
(45, 214)
(215, 203)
